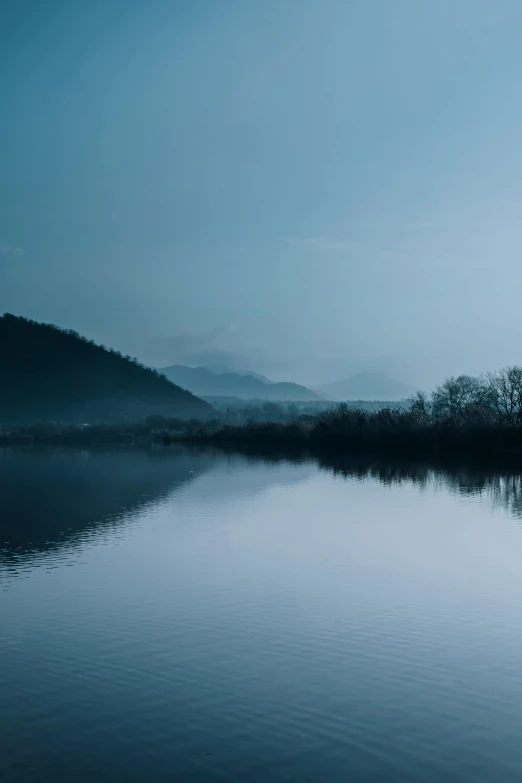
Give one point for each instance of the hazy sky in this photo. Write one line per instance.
(319, 186)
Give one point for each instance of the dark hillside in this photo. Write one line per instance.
(47, 373)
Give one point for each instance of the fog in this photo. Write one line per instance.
(306, 188)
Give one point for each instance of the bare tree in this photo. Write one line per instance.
(504, 390)
(458, 398)
(420, 405)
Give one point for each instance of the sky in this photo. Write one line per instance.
(306, 188)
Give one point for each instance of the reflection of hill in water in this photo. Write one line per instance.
(49, 497)
(54, 497)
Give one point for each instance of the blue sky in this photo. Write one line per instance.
(314, 187)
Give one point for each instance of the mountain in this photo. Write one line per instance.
(205, 383)
(222, 369)
(47, 373)
(367, 386)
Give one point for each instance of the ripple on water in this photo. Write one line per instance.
(258, 623)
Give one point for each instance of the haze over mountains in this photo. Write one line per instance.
(243, 385)
(52, 374)
(367, 386)
(218, 380)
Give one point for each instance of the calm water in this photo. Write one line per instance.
(168, 616)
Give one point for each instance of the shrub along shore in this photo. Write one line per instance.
(464, 414)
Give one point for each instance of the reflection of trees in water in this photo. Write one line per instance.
(55, 498)
(503, 485)
(506, 491)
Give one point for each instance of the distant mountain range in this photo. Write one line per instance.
(222, 369)
(219, 382)
(367, 386)
(47, 373)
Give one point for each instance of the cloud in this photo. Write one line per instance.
(225, 345)
(194, 349)
(321, 243)
(8, 250)
(185, 343)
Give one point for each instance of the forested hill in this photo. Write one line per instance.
(47, 373)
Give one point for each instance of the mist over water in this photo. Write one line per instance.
(196, 615)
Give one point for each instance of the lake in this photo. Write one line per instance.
(196, 616)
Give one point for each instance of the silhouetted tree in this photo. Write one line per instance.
(457, 397)
(504, 390)
(421, 405)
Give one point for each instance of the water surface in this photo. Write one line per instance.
(182, 616)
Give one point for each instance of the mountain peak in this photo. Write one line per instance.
(204, 382)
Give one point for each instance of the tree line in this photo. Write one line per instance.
(476, 415)
(492, 399)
